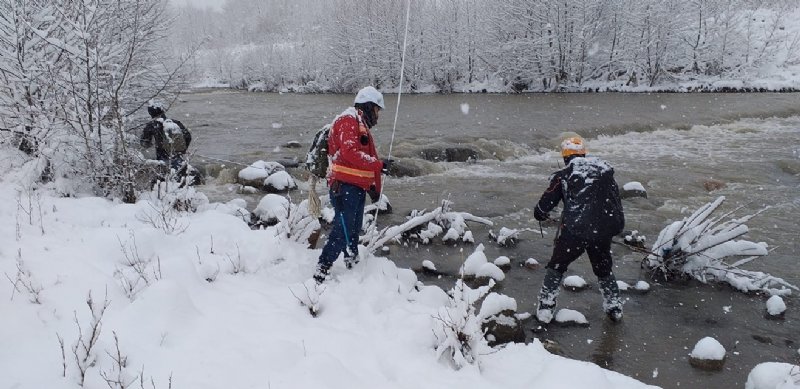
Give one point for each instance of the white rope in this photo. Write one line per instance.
(397, 108)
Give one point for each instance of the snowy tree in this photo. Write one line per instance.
(77, 74)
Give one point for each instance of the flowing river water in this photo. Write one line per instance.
(671, 143)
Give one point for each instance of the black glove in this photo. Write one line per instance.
(374, 196)
(387, 164)
(539, 215)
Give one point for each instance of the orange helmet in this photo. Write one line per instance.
(573, 145)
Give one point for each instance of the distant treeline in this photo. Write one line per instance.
(500, 45)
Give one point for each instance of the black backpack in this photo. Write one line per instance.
(174, 139)
(592, 206)
(317, 156)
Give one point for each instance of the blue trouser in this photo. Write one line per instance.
(348, 202)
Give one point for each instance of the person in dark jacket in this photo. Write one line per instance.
(170, 136)
(354, 172)
(592, 215)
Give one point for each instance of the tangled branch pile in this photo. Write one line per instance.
(699, 245)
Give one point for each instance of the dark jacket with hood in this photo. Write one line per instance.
(592, 206)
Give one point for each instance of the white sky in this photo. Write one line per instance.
(201, 3)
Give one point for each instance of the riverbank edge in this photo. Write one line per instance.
(723, 86)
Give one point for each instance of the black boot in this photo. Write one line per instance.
(321, 273)
(612, 304)
(548, 295)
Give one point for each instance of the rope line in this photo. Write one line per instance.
(397, 107)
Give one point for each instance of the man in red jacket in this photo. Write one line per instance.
(355, 171)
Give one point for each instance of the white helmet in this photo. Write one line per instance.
(369, 94)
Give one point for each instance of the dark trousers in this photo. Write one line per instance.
(569, 247)
(348, 202)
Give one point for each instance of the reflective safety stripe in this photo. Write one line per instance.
(353, 172)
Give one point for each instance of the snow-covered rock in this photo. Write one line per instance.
(532, 264)
(633, 189)
(776, 307)
(499, 320)
(271, 208)
(575, 283)
(708, 354)
(278, 182)
(495, 303)
(570, 317)
(255, 174)
(503, 262)
(773, 375)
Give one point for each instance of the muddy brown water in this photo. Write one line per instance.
(671, 143)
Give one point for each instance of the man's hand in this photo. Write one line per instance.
(539, 215)
(387, 164)
(374, 196)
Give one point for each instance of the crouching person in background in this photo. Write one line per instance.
(171, 139)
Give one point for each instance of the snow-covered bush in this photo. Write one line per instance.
(699, 245)
(459, 337)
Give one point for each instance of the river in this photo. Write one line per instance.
(671, 143)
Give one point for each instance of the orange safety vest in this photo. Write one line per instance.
(353, 162)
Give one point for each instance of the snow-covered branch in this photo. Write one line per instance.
(699, 245)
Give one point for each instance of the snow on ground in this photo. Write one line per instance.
(211, 307)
